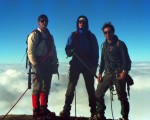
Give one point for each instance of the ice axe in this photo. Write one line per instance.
(84, 64)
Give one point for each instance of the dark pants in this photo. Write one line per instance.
(89, 82)
(103, 86)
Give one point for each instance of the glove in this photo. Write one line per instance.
(100, 78)
(122, 75)
(70, 52)
(36, 70)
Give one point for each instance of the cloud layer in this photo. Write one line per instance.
(13, 82)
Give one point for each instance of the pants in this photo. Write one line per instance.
(41, 86)
(89, 82)
(43, 81)
(103, 86)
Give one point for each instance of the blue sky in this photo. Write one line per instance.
(19, 17)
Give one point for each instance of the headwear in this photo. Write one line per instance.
(83, 18)
(42, 17)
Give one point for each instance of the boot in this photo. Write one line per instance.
(65, 114)
(101, 117)
(93, 117)
(47, 114)
(93, 114)
(37, 114)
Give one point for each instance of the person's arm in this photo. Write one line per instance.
(95, 51)
(69, 46)
(32, 41)
(124, 55)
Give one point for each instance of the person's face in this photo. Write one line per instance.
(81, 24)
(43, 24)
(108, 33)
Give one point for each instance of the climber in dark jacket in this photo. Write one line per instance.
(115, 65)
(83, 43)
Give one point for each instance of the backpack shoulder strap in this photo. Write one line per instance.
(39, 36)
(74, 37)
(49, 40)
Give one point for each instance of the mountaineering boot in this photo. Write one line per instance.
(65, 114)
(93, 113)
(37, 114)
(36, 109)
(101, 117)
(93, 117)
(47, 114)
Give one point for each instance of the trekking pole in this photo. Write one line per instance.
(17, 101)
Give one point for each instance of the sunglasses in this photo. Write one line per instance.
(43, 21)
(82, 22)
(107, 32)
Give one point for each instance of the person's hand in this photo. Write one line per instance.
(36, 70)
(70, 53)
(100, 78)
(122, 75)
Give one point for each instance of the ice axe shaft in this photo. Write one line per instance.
(85, 65)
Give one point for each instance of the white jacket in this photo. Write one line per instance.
(41, 49)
